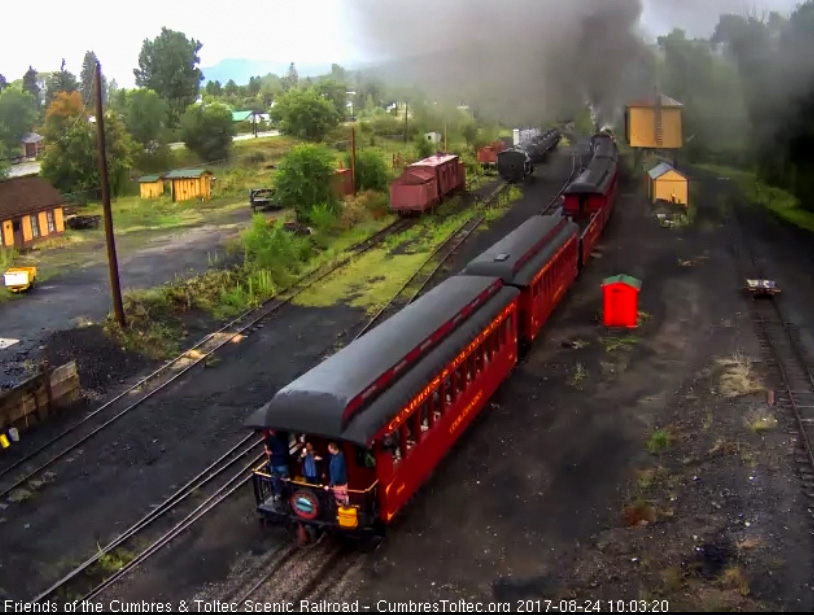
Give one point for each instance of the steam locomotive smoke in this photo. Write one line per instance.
(521, 61)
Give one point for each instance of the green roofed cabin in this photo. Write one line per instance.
(190, 184)
(151, 186)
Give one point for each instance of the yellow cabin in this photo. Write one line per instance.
(151, 186)
(667, 184)
(30, 209)
(654, 123)
(190, 184)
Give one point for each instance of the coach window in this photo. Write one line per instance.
(460, 378)
(449, 392)
(424, 417)
(509, 324)
(408, 434)
(479, 359)
(437, 406)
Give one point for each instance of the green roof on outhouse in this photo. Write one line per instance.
(149, 179)
(186, 173)
(623, 279)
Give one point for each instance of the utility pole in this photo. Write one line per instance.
(353, 156)
(112, 262)
(405, 121)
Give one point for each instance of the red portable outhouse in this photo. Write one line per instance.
(620, 299)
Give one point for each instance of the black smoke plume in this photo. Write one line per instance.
(519, 61)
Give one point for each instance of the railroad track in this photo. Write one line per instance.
(781, 344)
(130, 399)
(86, 579)
(158, 528)
(416, 283)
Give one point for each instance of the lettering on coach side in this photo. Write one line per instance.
(425, 393)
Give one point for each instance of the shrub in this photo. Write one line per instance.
(304, 178)
(371, 171)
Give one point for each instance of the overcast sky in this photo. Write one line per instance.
(41, 33)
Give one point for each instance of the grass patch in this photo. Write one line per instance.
(781, 203)
(737, 377)
(735, 578)
(651, 477)
(580, 374)
(616, 343)
(110, 563)
(760, 422)
(639, 513)
(273, 259)
(659, 441)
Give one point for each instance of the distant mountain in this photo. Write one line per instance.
(241, 70)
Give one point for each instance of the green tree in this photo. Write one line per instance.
(169, 66)
(18, 113)
(3, 83)
(291, 80)
(469, 131)
(32, 86)
(304, 178)
(4, 164)
(230, 88)
(145, 117)
(305, 114)
(371, 170)
(214, 88)
(208, 131)
(423, 147)
(270, 87)
(71, 163)
(336, 92)
(88, 79)
(61, 81)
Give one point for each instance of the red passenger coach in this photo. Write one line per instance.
(540, 257)
(427, 182)
(394, 401)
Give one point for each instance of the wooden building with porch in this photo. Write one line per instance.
(189, 184)
(30, 209)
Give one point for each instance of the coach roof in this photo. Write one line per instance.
(509, 255)
(318, 401)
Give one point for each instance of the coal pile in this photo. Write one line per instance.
(100, 361)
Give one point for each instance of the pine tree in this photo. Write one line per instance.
(87, 78)
(31, 86)
(63, 81)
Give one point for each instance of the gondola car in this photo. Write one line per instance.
(514, 165)
(540, 258)
(394, 401)
(426, 183)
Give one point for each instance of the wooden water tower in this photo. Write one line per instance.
(654, 124)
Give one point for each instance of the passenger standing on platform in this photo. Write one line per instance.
(277, 451)
(309, 464)
(338, 475)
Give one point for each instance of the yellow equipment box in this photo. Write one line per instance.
(19, 279)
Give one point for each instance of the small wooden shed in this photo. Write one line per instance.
(620, 301)
(190, 184)
(665, 183)
(151, 186)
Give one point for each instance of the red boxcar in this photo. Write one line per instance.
(540, 257)
(487, 155)
(409, 193)
(394, 401)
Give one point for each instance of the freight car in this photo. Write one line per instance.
(487, 155)
(384, 410)
(514, 164)
(424, 184)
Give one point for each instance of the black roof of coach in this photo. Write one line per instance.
(594, 179)
(509, 258)
(323, 400)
